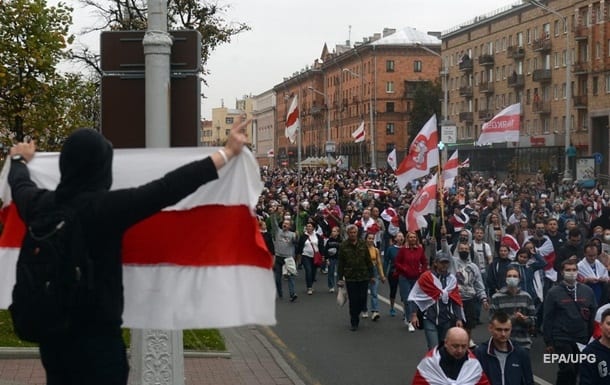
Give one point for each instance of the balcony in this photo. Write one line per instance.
(466, 91)
(581, 68)
(486, 87)
(516, 52)
(466, 65)
(486, 60)
(486, 115)
(542, 45)
(580, 101)
(466, 117)
(516, 81)
(541, 107)
(581, 32)
(541, 76)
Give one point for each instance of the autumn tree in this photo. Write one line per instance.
(203, 16)
(36, 100)
(426, 102)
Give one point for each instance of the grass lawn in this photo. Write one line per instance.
(196, 339)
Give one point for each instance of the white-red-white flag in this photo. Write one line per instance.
(392, 160)
(358, 135)
(503, 127)
(176, 264)
(293, 123)
(450, 171)
(465, 163)
(423, 154)
(423, 203)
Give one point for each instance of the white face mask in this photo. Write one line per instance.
(607, 238)
(512, 281)
(570, 276)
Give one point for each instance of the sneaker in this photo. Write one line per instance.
(406, 321)
(392, 312)
(331, 290)
(375, 316)
(410, 327)
(364, 314)
(293, 298)
(353, 328)
(309, 291)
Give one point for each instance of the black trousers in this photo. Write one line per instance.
(568, 372)
(357, 293)
(89, 359)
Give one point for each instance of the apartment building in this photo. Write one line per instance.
(263, 119)
(524, 53)
(371, 82)
(216, 133)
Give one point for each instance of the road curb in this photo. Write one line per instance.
(31, 353)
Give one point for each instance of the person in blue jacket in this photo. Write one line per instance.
(502, 361)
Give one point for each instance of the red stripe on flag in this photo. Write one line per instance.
(211, 235)
(292, 117)
(13, 227)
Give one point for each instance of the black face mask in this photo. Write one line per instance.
(463, 255)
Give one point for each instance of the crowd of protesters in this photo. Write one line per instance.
(515, 247)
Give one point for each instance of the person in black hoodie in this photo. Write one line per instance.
(92, 351)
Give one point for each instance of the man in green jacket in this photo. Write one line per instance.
(355, 270)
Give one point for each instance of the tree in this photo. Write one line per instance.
(203, 16)
(35, 99)
(426, 102)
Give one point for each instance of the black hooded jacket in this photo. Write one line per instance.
(86, 176)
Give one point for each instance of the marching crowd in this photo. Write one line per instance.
(532, 254)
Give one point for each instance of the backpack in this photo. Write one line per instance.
(54, 276)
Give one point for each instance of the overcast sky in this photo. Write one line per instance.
(286, 36)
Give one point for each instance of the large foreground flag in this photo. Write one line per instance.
(293, 123)
(503, 127)
(423, 203)
(358, 135)
(392, 159)
(450, 171)
(182, 268)
(423, 154)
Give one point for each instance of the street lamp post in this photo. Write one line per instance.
(567, 175)
(327, 120)
(371, 123)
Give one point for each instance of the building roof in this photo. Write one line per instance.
(408, 36)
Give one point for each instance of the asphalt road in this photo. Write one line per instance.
(313, 334)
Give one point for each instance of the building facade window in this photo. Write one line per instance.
(229, 120)
(389, 66)
(389, 87)
(417, 66)
(389, 107)
(389, 129)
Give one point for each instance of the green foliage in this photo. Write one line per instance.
(35, 99)
(203, 16)
(426, 102)
(198, 339)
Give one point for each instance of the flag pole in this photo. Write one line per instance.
(440, 184)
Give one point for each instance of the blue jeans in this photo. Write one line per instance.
(310, 270)
(277, 272)
(435, 333)
(332, 268)
(373, 288)
(405, 285)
